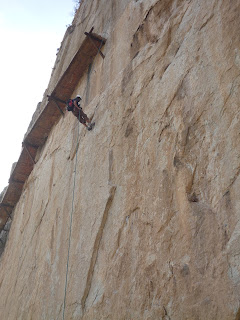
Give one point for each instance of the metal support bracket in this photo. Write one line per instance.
(8, 214)
(16, 181)
(62, 113)
(55, 100)
(93, 37)
(6, 205)
(26, 148)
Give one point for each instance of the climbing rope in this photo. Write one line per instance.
(70, 228)
(71, 216)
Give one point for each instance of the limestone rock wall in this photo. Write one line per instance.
(155, 225)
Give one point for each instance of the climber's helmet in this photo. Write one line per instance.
(78, 96)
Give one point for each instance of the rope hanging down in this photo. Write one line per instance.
(70, 228)
(71, 216)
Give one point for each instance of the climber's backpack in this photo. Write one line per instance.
(70, 105)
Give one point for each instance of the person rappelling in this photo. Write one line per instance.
(75, 106)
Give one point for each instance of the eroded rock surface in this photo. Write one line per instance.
(155, 224)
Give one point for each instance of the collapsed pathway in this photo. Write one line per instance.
(39, 131)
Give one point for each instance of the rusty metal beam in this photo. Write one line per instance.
(92, 37)
(55, 98)
(62, 113)
(3, 228)
(41, 127)
(32, 145)
(95, 37)
(16, 181)
(26, 148)
(4, 205)
(8, 214)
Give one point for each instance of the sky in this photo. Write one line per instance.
(31, 31)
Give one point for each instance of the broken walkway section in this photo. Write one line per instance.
(40, 129)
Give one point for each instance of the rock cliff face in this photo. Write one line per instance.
(153, 189)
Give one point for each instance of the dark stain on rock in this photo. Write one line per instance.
(129, 130)
(176, 162)
(227, 199)
(127, 81)
(185, 270)
(182, 90)
(71, 28)
(162, 131)
(193, 197)
(52, 238)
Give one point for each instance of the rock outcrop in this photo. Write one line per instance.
(153, 190)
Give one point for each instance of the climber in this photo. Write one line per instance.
(74, 106)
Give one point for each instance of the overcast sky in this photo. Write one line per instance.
(30, 33)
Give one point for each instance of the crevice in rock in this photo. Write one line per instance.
(96, 246)
(163, 129)
(176, 92)
(166, 316)
(126, 218)
(206, 22)
(28, 247)
(233, 179)
(40, 221)
(228, 97)
(192, 197)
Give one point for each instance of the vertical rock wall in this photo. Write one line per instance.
(156, 229)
